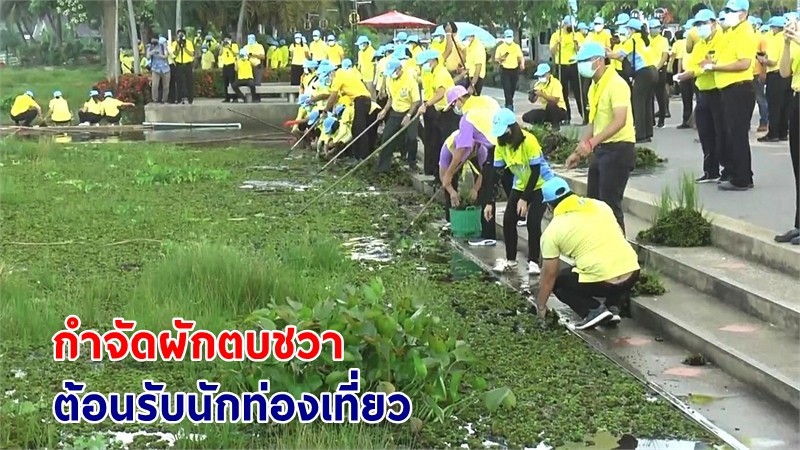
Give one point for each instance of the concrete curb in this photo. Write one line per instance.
(734, 236)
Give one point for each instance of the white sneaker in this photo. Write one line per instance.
(533, 268)
(84, 124)
(481, 242)
(504, 265)
(446, 227)
(522, 223)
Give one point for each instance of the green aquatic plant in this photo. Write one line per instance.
(679, 221)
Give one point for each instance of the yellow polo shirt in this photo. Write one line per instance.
(795, 53)
(586, 231)
(349, 85)
(439, 46)
(23, 103)
(475, 54)
(520, 160)
(94, 107)
(615, 63)
(569, 46)
(227, 54)
(299, 52)
(284, 54)
(185, 56)
(775, 44)
(59, 110)
(739, 43)
(433, 81)
(679, 52)
(319, 50)
(702, 50)
(207, 61)
(403, 92)
(514, 55)
(365, 63)
(453, 59)
(110, 106)
(603, 38)
(256, 50)
(762, 48)
(659, 45)
(553, 88)
(335, 54)
(605, 95)
(244, 69)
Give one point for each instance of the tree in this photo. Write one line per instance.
(134, 37)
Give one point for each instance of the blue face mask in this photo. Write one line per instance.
(427, 67)
(704, 31)
(585, 69)
(251, 40)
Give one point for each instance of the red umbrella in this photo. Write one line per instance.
(394, 19)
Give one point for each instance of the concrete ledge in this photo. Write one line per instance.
(734, 236)
(214, 111)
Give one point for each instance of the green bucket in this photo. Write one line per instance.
(465, 223)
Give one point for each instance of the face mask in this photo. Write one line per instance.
(251, 41)
(457, 110)
(509, 40)
(297, 41)
(427, 67)
(704, 31)
(569, 29)
(598, 28)
(732, 19)
(331, 43)
(316, 38)
(306, 71)
(363, 46)
(655, 33)
(396, 75)
(586, 69)
(205, 50)
(623, 35)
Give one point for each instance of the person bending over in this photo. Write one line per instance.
(453, 161)
(92, 111)
(58, 110)
(606, 266)
(111, 108)
(25, 109)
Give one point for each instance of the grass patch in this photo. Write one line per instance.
(679, 221)
(558, 145)
(649, 284)
(74, 82)
(232, 258)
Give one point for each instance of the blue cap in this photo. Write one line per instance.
(653, 23)
(243, 52)
(330, 38)
(401, 36)
(55, 94)
(303, 99)
(400, 52)
(204, 47)
(325, 69)
(777, 22)
(759, 22)
(413, 38)
(362, 40)
(29, 93)
(392, 66)
(599, 21)
(590, 50)
(107, 94)
(689, 24)
(568, 20)
(427, 55)
(438, 32)
(328, 123)
(315, 33)
(310, 64)
(501, 121)
(553, 189)
(737, 5)
(635, 24)
(542, 69)
(380, 51)
(282, 42)
(389, 47)
(790, 16)
(338, 110)
(313, 117)
(764, 28)
(752, 20)
(622, 19)
(705, 15)
(721, 16)
(93, 92)
(470, 32)
(582, 26)
(508, 34)
(347, 63)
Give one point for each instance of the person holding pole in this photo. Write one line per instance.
(404, 100)
(439, 120)
(564, 45)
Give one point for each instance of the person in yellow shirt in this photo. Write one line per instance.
(564, 44)
(474, 62)
(58, 110)
(790, 67)
(439, 121)
(414, 46)
(366, 63)
(454, 55)
(228, 53)
(125, 62)
(778, 89)
(380, 74)
(183, 51)
(257, 56)
(511, 60)
(276, 56)
(404, 99)
(207, 59)
(599, 33)
(92, 111)
(659, 47)
(284, 53)
(318, 48)
(733, 75)
(519, 152)
(760, 77)
(685, 87)
(438, 42)
(610, 135)
(547, 90)
(605, 264)
(245, 77)
(25, 109)
(347, 87)
(300, 54)
(309, 79)
(111, 108)
(334, 52)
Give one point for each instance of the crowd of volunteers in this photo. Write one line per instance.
(95, 110)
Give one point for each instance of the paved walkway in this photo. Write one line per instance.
(770, 204)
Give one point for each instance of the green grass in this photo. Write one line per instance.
(679, 220)
(84, 232)
(73, 82)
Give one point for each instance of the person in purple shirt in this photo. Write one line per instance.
(452, 160)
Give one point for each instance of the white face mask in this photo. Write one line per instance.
(509, 40)
(316, 38)
(297, 40)
(598, 28)
(731, 19)
(331, 43)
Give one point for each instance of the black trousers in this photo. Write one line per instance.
(779, 98)
(26, 118)
(610, 167)
(228, 81)
(794, 152)
(738, 101)
(295, 75)
(661, 95)
(432, 141)
(551, 114)
(113, 119)
(364, 145)
(185, 82)
(237, 87)
(644, 84)
(406, 143)
(173, 84)
(534, 226)
(710, 124)
(509, 79)
(582, 297)
(687, 89)
(568, 74)
(488, 227)
(89, 117)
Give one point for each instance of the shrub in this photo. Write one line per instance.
(681, 222)
(648, 284)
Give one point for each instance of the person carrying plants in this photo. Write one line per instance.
(610, 136)
(58, 110)
(463, 161)
(92, 111)
(606, 266)
(111, 108)
(25, 109)
(520, 153)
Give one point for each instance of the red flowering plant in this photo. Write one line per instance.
(277, 75)
(131, 88)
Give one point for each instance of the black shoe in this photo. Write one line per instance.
(783, 138)
(767, 139)
(706, 178)
(788, 236)
(596, 317)
(796, 241)
(227, 100)
(668, 116)
(729, 186)
(615, 318)
(660, 124)
(684, 126)
(724, 178)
